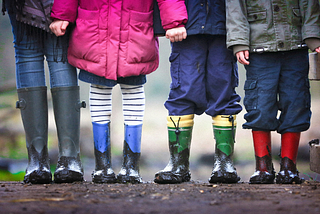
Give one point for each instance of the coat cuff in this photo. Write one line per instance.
(312, 43)
(237, 48)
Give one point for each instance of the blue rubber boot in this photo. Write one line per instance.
(103, 172)
(129, 172)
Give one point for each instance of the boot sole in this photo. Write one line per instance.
(38, 177)
(67, 176)
(172, 178)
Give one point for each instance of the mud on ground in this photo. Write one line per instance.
(191, 197)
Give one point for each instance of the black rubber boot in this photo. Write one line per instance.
(177, 170)
(66, 105)
(288, 172)
(103, 172)
(264, 173)
(129, 172)
(34, 112)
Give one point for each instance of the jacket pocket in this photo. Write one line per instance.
(258, 26)
(257, 16)
(250, 100)
(142, 46)
(84, 42)
(174, 70)
(296, 17)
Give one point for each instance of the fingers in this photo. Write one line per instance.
(176, 34)
(243, 57)
(59, 27)
(64, 26)
(317, 49)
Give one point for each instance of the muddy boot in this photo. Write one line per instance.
(224, 132)
(103, 172)
(34, 113)
(66, 106)
(289, 150)
(129, 172)
(180, 134)
(264, 173)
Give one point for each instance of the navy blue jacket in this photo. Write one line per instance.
(204, 17)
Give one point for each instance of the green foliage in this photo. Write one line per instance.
(7, 176)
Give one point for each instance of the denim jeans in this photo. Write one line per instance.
(30, 71)
(278, 83)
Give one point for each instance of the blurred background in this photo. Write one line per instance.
(155, 153)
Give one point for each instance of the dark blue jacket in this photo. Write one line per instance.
(204, 17)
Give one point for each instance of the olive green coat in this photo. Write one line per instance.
(272, 25)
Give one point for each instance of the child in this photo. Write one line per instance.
(274, 33)
(204, 76)
(113, 43)
(30, 20)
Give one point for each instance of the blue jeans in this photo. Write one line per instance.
(204, 76)
(30, 70)
(278, 82)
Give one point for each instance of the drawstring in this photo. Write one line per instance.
(177, 131)
(231, 119)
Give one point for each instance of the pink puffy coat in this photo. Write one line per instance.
(114, 38)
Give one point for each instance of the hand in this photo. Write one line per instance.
(176, 34)
(242, 57)
(317, 49)
(59, 27)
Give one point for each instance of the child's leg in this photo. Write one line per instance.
(100, 103)
(100, 108)
(33, 105)
(264, 173)
(187, 97)
(222, 105)
(289, 151)
(224, 127)
(261, 89)
(180, 134)
(294, 103)
(66, 106)
(133, 102)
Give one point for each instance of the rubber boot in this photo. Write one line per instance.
(289, 150)
(129, 172)
(34, 113)
(66, 106)
(102, 151)
(180, 134)
(224, 133)
(264, 173)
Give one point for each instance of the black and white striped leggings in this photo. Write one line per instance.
(133, 103)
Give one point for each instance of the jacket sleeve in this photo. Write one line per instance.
(310, 13)
(173, 13)
(65, 10)
(238, 29)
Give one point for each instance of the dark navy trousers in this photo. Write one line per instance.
(277, 96)
(204, 76)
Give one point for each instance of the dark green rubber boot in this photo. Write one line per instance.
(180, 134)
(224, 133)
(34, 113)
(66, 106)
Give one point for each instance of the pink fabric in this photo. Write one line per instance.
(114, 38)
